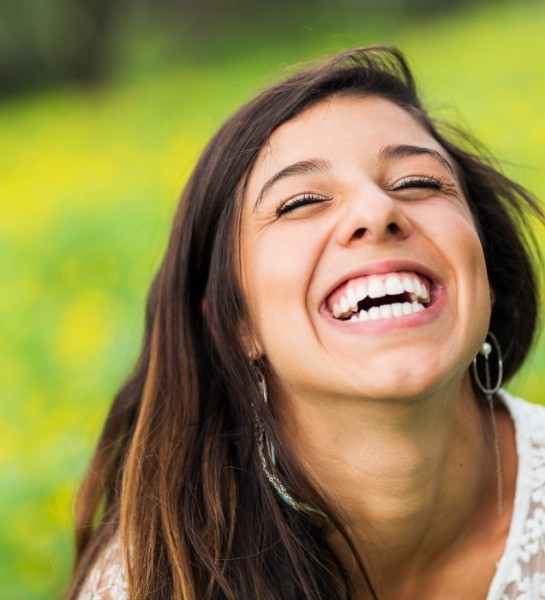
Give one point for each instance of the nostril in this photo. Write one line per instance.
(358, 234)
(394, 228)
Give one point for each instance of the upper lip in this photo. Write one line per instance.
(382, 267)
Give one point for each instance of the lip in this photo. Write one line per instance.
(380, 268)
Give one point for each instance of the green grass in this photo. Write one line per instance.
(88, 182)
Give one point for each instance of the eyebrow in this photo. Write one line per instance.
(302, 167)
(318, 165)
(405, 150)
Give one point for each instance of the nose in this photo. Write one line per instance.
(372, 216)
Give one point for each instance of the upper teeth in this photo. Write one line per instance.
(379, 286)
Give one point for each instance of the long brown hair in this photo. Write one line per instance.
(176, 472)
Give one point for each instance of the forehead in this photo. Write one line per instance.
(338, 128)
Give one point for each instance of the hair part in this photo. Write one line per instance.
(176, 468)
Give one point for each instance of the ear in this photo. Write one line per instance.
(492, 297)
(252, 347)
(250, 343)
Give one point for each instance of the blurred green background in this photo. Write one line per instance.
(104, 108)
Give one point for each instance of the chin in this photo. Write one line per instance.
(406, 383)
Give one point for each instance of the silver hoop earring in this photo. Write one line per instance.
(489, 390)
(486, 351)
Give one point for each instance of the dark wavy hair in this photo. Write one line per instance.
(176, 472)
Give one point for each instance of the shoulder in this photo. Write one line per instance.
(529, 419)
(107, 579)
(521, 572)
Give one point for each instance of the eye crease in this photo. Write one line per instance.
(304, 200)
(416, 181)
(421, 182)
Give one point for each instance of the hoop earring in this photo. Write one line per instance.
(486, 351)
(262, 444)
(489, 390)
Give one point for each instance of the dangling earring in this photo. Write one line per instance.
(489, 390)
(262, 443)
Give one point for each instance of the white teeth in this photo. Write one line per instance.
(385, 311)
(407, 282)
(376, 288)
(417, 307)
(352, 299)
(397, 309)
(407, 308)
(422, 291)
(393, 285)
(425, 294)
(380, 286)
(361, 291)
(374, 313)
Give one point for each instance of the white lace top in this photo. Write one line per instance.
(520, 574)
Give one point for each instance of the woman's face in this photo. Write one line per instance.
(362, 267)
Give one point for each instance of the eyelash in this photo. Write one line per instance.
(427, 181)
(293, 203)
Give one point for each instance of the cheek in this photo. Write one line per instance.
(470, 254)
(452, 232)
(276, 274)
(475, 297)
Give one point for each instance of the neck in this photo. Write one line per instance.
(409, 479)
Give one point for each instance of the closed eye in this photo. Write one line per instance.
(298, 201)
(419, 182)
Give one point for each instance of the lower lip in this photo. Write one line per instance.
(423, 317)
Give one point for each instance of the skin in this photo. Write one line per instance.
(382, 414)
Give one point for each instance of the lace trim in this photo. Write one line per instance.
(107, 579)
(520, 573)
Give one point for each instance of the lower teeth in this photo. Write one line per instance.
(387, 311)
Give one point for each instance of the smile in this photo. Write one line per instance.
(384, 296)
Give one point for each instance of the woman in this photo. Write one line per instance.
(315, 412)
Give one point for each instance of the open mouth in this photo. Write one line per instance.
(384, 296)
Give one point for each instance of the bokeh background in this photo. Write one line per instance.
(104, 107)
